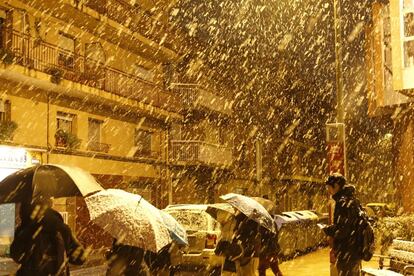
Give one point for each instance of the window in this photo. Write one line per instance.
(175, 132)
(5, 111)
(168, 74)
(143, 140)
(94, 131)
(65, 122)
(95, 136)
(143, 73)
(67, 44)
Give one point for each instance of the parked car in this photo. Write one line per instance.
(379, 210)
(203, 232)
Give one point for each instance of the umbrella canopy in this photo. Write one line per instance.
(252, 209)
(129, 218)
(177, 231)
(221, 212)
(17, 187)
(268, 204)
(47, 180)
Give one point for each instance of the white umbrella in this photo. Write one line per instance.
(252, 209)
(129, 218)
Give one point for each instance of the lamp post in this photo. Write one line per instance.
(340, 117)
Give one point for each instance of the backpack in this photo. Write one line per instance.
(367, 237)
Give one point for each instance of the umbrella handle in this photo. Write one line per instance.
(139, 201)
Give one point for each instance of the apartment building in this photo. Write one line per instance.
(390, 80)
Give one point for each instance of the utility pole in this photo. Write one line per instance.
(340, 116)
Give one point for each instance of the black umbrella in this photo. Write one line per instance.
(17, 187)
(47, 180)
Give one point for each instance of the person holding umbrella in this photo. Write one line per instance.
(43, 243)
(269, 252)
(160, 262)
(135, 224)
(126, 260)
(270, 249)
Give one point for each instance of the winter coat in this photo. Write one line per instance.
(269, 243)
(247, 234)
(125, 260)
(43, 244)
(347, 243)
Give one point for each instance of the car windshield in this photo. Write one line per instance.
(191, 220)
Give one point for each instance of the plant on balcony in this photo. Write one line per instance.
(7, 129)
(56, 75)
(6, 56)
(67, 140)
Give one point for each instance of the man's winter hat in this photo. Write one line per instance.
(336, 178)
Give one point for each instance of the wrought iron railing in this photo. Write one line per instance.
(98, 147)
(132, 17)
(193, 151)
(42, 56)
(193, 95)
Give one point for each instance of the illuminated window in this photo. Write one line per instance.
(408, 38)
(65, 122)
(94, 131)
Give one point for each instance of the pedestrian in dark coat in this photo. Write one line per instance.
(347, 242)
(43, 243)
(126, 260)
(269, 253)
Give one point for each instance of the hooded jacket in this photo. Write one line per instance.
(347, 241)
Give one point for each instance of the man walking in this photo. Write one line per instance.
(347, 244)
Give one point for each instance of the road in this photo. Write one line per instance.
(312, 264)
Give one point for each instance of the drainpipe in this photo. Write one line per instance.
(259, 170)
(167, 162)
(48, 129)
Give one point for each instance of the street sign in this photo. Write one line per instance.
(336, 157)
(336, 150)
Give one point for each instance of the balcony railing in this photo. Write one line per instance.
(131, 16)
(98, 147)
(199, 152)
(195, 96)
(51, 59)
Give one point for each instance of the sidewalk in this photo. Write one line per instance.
(93, 266)
(314, 263)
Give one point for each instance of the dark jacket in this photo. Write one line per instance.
(43, 246)
(247, 235)
(125, 260)
(269, 243)
(347, 242)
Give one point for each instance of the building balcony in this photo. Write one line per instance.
(98, 147)
(199, 152)
(62, 64)
(133, 17)
(196, 97)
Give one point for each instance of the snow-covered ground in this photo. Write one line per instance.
(313, 264)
